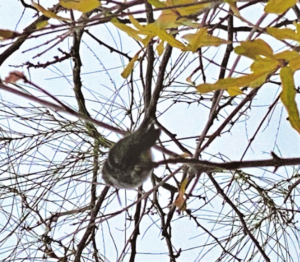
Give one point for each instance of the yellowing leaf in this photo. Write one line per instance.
(295, 64)
(232, 4)
(80, 5)
(234, 91)
(41, 24)
(48, 13)
(200, 39)
(188, 10)
(283, 33)
(279, 6)
(164, 36)
(286, 55)
(132, 32)
(167, 19)
(128, 69)
(252, 80)
(264, 65)
(172, 18)
(254, 48)
(157, 3)
(297, 25)
(160, 48)
(135, 23)
(7, 34)
(180, 199)
(288, 95)
(128, 30)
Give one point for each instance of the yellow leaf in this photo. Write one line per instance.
(48, 13)
(188, 10)
(206, 88)
(283, 33)
(234, 91)
(252, 80)
(254, 48)
(232, 4)
(295, 64)
(128, 69)
(172, 18)
(202, 38)
(279, 6)
(80, 5)
(164, 36)
(167, 19)
(132, 32)
(41, 24)
(135, 23)
(286, 55)
(180, 199)
(7, 34)
(128, 30)
(297, 25)
(160, 48)
(157, 3)
(146, 40)
(288, 96)
(261, 65)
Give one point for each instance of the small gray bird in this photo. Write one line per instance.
(129, 161)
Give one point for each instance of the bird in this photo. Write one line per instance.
(129, 162)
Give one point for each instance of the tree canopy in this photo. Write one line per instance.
(217, 77)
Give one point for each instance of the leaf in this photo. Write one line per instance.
(279, 6)
(252, 80)
(261, 65)
(286, 55)
(188, 10)
(167, 19)
(160, 48)
(135, 23)
(232, 4)
(48, 13)
(41, 24)
(180, 201)
(151, 30)
(202, 38)
(8, 34)
(283, 33)
(288, 96)
(295, 64)
(234, 91)
(174, 17)
(254, 48)
(128, 30)
(132, 32)
(157, 4)
(13, 77)
(165, 36)
(128, 69)
(83, 6)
